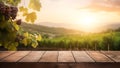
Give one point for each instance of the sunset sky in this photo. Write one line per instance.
(83, 15)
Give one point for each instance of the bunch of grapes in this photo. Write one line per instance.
(14, 11)
(8, 11)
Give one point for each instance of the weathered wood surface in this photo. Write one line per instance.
(49, 56)
(65, 56)
(99, 57)
(59, 56)
(113, 55)
(5, 53)
(15, 57)
(34, 56)
(82, 56)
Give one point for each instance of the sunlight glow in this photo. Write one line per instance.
(87, 21)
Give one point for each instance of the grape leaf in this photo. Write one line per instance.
(34, 44)
(12, 2)
(15, 26)
(13, 46)
(35, 5)
(25, 34)
(24, 10)
(24, 41)
(31, 17)
(39, 38)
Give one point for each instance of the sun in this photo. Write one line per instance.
(87, 21)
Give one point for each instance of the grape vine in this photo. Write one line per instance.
(11, 34)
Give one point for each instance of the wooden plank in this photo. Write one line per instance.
(15, 57)
(34, 56)
(65, 56)
(99, 57)
(49, 56)
(114, 55)
(82, 56)
(4, 54)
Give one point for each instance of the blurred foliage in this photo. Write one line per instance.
(35, 5)
(11, 2)
(97, 41)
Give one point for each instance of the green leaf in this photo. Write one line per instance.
(11, 45)
(24, 41)
(24, 10)
(39, 38)
(15, 26)
(31, 17)
(34, 44)
(12, 2)
(26, 34)
(35, 5)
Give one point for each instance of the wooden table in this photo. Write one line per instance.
(60, 59)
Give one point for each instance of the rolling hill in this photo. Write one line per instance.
(60, 30)
(48, 30)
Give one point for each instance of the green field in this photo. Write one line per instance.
(98, 41)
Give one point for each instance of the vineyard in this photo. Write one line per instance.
(102, 41)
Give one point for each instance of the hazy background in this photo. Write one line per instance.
(84, 15)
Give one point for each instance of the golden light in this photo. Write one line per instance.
(87, 21)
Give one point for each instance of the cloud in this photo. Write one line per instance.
(114, 2)
(104, 5)
(93, 5)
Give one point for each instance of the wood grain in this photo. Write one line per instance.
(82, 56)
(34, 56)
(15, 57)
(114, 55)
(65, 56)
(5, 54)
(49, 56)
(99, 57)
